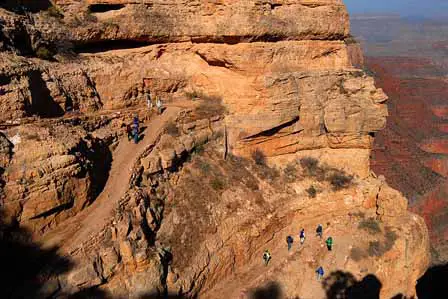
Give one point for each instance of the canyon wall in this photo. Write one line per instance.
(410, 152)
(282, 68)
(277, 77)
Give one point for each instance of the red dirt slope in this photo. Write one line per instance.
(412, 152)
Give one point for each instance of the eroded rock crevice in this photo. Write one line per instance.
(111, 45)
(99, 8)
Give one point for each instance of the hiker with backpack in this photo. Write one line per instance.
(135, 129)
(320, 273)
(319, 231)
(266, 257)
(302, 236)
(289, 241)
(329, 242)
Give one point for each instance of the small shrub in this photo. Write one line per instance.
(210, 106)
(204, 167)
(357, 214)
(310, 165)
(252, 184)
(44, 53)
(320, 174)
(88, 17)
(238, 161)
(340, 180)
(312, 192)
(369, 72)
(370, 225)
(259, 157)
(375, 249)
(172, 130)
(268, 173)
(357, 254)
(290, 171)
(350, 40)
(199, 149)
(32, 136)
(390, 237)
(217, 184)
(194, 95)
(55, 12)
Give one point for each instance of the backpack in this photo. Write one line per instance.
(266, 255)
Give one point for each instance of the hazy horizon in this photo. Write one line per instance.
(426, 8)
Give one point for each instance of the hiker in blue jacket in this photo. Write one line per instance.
(320, 273)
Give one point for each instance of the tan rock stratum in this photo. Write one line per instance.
(290, 84)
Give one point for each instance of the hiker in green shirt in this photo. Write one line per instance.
(329, 243)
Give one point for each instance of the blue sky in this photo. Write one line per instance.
(403, 7)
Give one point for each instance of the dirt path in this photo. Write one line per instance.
(291, 267)
(70, 234)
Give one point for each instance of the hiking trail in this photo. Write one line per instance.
(301, 261)
(88, 223)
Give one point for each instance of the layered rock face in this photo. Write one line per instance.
(282, 69)
(278, 78)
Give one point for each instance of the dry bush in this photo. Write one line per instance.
(204, 167)
(31, 136)
(370, 225)
(339, 180)
(259, 157)
(390, 237)
(172, 129)
(310, 165)
(350, 39)
(199, 149)
(267, 173)
(44, 53)
(357, 214)
(290, 170)
(375, 249)
(357, 254)
(378, 249)
(210, 106)
(217, 184)
(291, 173)
(320, 174)
(252, 184)
(312, 192)
(193, 95)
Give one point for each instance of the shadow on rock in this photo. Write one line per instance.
(434, 283)
(92, 293)
(272, 290)
(26, 266)
(22, 6)
(341, 285)
(158, 296)
(95, 293)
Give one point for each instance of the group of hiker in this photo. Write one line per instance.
(133, 129)
(290, 240)
(158, 104)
